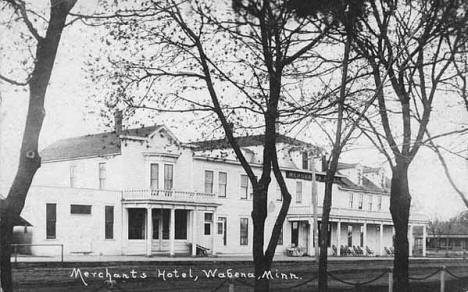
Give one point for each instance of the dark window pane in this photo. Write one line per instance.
(207, 228)
(180, 224)
(244, 231)
(51, 217)
(136, 223)
(80, 209)
(109, 222)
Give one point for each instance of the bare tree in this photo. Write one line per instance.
(37, 81)
(416, 43)
(241, 66)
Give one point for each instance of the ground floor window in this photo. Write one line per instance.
(244, 231)
(208, 222)
(280, 237)
(361, 239)
(51, 219)
(222, 228)
(136, 223)
(109, 222)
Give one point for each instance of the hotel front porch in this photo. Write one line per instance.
(158, 222)
(373, 234)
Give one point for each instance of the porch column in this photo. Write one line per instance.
(194, 232)
(338, 246)
(171, 231)
(364, 237)
(381, 247)
(424, 241)
(310, 238)
(149, 230)
(213, 234)
(410, 240)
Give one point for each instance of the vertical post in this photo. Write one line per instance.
(16, 253)
(381, 247)
(364, 237)
(213, 234)
(390, 279)
(172, 232)
(149, 231)
(410, 240)
(442, 279)
(310, 242)
(424, 248)
(231, 286)
(314, 207)
(194, 232)
(338, 228)
(61, 253)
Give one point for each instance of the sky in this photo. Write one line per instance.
(67, 115)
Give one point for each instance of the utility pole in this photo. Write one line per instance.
(314, 208)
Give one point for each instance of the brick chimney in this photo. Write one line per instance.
(118, 122)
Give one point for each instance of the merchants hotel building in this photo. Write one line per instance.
(143, 192)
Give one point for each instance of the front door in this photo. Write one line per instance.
(294, 233)
(222, 229)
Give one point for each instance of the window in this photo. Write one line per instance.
(168, 176)
(80, 209)
(351, 197)
(305, 160)
(279, 196)
(361, 237)
(51, 220)
(136, 223)
(208, 181)
(350, 235)
(299, 192)
(180, 224)
(222, 184)
(154, 176)
(370, 199)
(102, 175)
(208, 222)
(244, 231)
(73, 176)
(379, 203)
(280, 237)
(109, 222)
(360, 202)
(244, 186)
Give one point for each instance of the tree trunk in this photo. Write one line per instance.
(29, 159)
(323, 258)
(400, 201)
(259, 213)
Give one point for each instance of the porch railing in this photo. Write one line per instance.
(168, 195)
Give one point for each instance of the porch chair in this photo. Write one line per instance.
(356, 251)
(369, 251)
(343, 251)
(387, 250)
(392, 250)
(360, 250)
(335, 250)
(351, 251)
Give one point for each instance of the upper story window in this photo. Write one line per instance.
(305, 160)
(154, 176)
(370, 202)
(379, 203)
(298, 192)
(361, 201)
(244, 186)
(73, 176)
(102, 175)
(351, 198)
(222, 184)
(109, 222)
(168, 176)
(208, 181)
